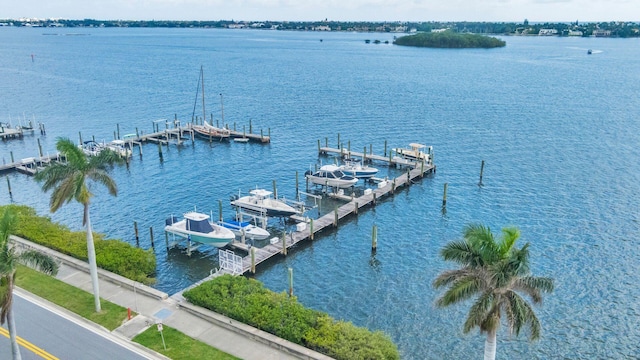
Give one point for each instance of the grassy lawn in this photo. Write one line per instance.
(70, 297)
(179, 345)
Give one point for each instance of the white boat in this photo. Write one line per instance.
(91, 148)
(246, 228)
(197, 227)
(356, 169)
(118, 146)
(260, 201)
(414, 153)
(210, 131)
(331, 175)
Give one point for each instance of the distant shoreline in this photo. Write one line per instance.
(573, 29)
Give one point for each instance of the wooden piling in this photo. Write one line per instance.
(166, 240)
(318, 146)
(9, 186)
(80, 137)
(250, 127)
(311, 229)
(137, 133)
(220, 210)
(339, 143)
(444, 195)
(114, 136)
(481, 172)
(39, 147)
(290, 282)
(385, 148)
(275, 190)
(135, 229)
(355, 208)
(374, 238)
(374, 198)
(326, 141)
(11, 152)
(364, 155)
(335, 217)
(151, 235)
(284, 243)
(297, 191)
(253, 259)
(118, 129)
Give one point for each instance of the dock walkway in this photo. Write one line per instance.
(331, 219)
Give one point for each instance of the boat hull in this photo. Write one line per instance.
(264, 210)
(219, 238)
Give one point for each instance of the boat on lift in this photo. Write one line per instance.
(261, 201)
(414, 153)
(197, 227)
(246, 228)
(357, 169)
(331, 175)
(119, 147)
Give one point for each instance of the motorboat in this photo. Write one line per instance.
(331, 175)
(198, 228)
(261, 201)
(91, 148)
(414, 153)
(118, 146)
(589, 52)
(357, 169)
(246, 228)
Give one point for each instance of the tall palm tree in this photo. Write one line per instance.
(71, 180)
(496, 272)
(9, 259)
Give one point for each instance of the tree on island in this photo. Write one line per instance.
(9, 260)
(449, 39)
(495, 271)
(69, 181)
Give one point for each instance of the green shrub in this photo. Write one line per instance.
(113, 255)
(248, 301)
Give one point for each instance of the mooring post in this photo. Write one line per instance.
(275, 190)
(137, 133)
(290, 282)
(284, 242)
(374, 198)
(118, 129)
(364, 155)
(151, 235)
(269, 133)
(390, 158)
(444, 195)
(250, 127)
(9, 186)
(339, 144)
(319, 146)
(166, 240)
(422, 168)
(261, 136)
(135, 229)
(408, 176)
(219, 210)
(297, 191)
(114, 136)
(80, 137)
(335, 219)
(370, 149)
(481, 171)
(311, 229)
(385, 148)
(11, 152)
(159, 150)
(253, 260)
(355, 208)
(374, 238)
(393, 186)
(39, 147)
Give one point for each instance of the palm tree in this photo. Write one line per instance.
(71, 180)
(9, 260)
(495, 271)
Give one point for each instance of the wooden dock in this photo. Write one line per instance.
(330, 220)
(368, 157)
(31, 165)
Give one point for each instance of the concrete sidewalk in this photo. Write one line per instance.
(153, 306)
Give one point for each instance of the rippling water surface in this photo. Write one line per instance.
(557, 128)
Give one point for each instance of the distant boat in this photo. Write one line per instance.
(210, 131)
(331, 175)
(246, 228)
(118, 146)
(589, 52)
(414, 153)
(91, 148)
(260, 201)
(197, 227)
(357, 169)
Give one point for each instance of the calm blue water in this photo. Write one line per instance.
(558, 130)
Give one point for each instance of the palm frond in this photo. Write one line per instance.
(478, 311)
(482, 241)
(509, 237)
(100, 176)
(461, 252)
(39, 261)
(521, 314)
(75, 157)
(449, 276)
(460, 290)
(533, 286)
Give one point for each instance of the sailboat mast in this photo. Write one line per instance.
(204, 113)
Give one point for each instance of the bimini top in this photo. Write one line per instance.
(198, 222)
(417, 146)
(262, 193)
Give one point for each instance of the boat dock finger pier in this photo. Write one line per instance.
(310, 228)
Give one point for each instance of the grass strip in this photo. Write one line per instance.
(70, 297)
(179, 346)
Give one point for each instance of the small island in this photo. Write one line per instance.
(449, 39)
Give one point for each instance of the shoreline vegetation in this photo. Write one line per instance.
(116, 256)
(617, 29)
(449, 40)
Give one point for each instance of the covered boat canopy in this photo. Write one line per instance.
(261, 193)
(198, 222)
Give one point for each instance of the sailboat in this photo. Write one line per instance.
(207, 130)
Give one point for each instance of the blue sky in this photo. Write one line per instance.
(339, 10)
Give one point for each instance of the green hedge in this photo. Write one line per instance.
(449, 39)
(248, 301)
(116, 256)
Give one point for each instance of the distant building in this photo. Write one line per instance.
(236, 26)
(575, 33)
(322, 28)
(438, 30)
(601, 33)
(548, 32)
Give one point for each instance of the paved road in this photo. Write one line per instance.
(50, 335)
